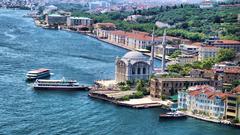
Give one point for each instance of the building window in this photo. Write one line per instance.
(139, 71)
(133, 71)
(144, 71)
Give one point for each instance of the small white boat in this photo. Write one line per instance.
(38, 74)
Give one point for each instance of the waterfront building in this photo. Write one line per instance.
(135, 39)
(205, 52)
(203, 99)
(105, 26)
(132, 66)
(171, 86)
(102, 30)
(56, 19)
(233, 104)
(229, 44)
(76, 21)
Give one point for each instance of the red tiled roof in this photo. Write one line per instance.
(233, 70)
(135, 35)
(207, 90)
(218, 94)
(105, 24)
(194, 92)
(227, 42)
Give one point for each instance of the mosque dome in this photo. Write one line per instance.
(134, 55)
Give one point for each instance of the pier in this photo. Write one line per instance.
(114, 96)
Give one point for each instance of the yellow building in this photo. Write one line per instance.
(233, 104)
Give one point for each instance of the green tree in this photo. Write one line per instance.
(225, 55)
(174, 68)
(175, 54)
(208, 63)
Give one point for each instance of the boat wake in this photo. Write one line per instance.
(11, 36)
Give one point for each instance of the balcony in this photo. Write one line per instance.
(232, 107)
(231, 114)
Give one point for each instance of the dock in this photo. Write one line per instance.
(115, 96)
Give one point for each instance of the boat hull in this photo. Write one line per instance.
(44, 76)
(162, 117)
(61, 88)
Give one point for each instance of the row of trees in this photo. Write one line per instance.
(222, 55)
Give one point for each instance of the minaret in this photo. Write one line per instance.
(164, 44)
(152, 52)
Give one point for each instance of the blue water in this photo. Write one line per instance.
(23, 46)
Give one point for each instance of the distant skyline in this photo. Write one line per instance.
(137, 1)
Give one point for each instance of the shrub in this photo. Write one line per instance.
(138, 94)
(236, 120)
(125, 98)
(125, 88)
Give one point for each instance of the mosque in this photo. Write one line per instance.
(132, 66)
(135, 66)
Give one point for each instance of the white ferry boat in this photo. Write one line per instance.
(38, 74)
(63, 84)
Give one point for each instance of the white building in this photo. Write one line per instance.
(75, 21)
(132, 66)
(203, 99)
(205, 52)
(168, 50)
(98, 4)
(188, 49)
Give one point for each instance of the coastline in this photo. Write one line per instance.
(138, 106)
(99, 39)
(221, 122)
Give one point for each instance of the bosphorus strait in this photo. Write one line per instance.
(23, 47)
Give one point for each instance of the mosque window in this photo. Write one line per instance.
(139, 71)
(133, 71)
(144, 70)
